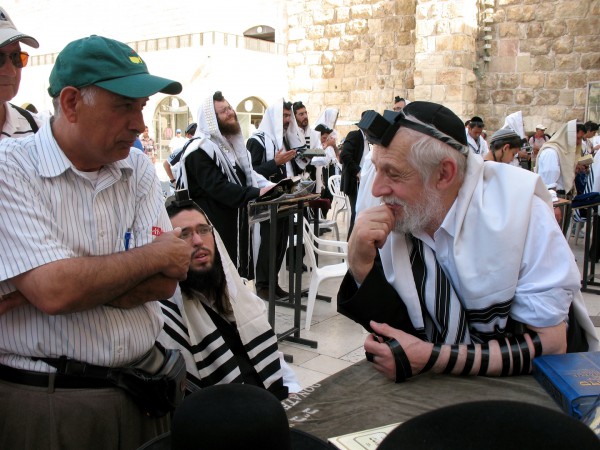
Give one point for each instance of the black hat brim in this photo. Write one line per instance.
(299, 440)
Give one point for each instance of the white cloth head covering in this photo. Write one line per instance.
(294, 136)
(514, 121)
(329, 119)
(271, 128)
(208, 138)
(564, 142)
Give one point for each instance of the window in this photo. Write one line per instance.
(262, 32)
(592, 110)
(172, 114)
(250, 112)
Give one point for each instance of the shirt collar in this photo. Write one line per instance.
(55, 162)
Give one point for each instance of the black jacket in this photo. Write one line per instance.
(351, 154)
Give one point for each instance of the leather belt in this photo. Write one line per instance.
(50, 380)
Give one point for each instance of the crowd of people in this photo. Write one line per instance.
(116, 304)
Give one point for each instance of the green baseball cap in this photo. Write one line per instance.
(108, 64)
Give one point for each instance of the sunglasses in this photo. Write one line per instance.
(19, 59)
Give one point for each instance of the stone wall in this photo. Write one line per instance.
(543, 55)
(351, 55)
(356, 55)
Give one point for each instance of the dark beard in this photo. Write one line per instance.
(211, 283)
(229, 129)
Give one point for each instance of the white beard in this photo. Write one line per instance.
(425, 213)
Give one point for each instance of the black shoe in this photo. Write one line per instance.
(304, 268)
(322, 231)
(279, 292)
(263, 292)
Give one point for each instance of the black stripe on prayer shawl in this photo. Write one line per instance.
(220, 373)
(177, 336)
(215, 354)
(442, 300)
(173, 316)
(419, 271)
(490, 313)
(264, 354)
(258, 340)
(269, 370)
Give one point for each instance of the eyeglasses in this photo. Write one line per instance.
(19, 59)
(201, 230)
(225, 110)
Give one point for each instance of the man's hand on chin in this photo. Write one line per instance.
(370, 232)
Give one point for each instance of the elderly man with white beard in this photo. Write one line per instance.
(462, 269)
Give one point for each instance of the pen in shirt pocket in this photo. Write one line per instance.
(127, 238)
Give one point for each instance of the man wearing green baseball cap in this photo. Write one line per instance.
(89, 250)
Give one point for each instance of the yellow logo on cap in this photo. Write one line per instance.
(135, 59)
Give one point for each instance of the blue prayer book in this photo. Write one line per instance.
(572, 379)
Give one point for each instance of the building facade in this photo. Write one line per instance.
(478, 57)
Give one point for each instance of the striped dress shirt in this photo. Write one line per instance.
(50, 211)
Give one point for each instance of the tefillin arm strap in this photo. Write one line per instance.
(512, 349)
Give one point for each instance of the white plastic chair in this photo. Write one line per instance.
(319, 274)
(326, 223)
(340, 202)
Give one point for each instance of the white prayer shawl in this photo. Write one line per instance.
(564, 143)
(479, 146)
(514, 122)
(217, 147)
(488, 209)
(270, 130)
(365, 198)
(328, 118)
(297, 139)
(294, 138)
(209, 361)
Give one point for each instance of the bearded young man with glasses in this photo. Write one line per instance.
(14, 121)
(217, 323)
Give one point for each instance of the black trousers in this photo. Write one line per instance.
(352, 199)
(262, 263)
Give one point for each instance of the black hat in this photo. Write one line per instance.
(191, 128)
(233, 416)
(476, 121)
(322, 128)
(439, 123)
(494, 425)
(397, 99)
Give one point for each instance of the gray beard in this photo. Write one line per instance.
(427, 212)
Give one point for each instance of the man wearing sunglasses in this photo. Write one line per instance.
(14, 121)
(475, 141)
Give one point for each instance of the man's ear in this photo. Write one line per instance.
(446, 173)
(69, 100)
